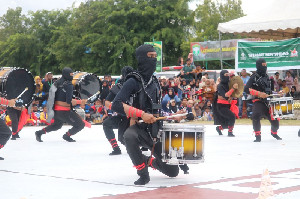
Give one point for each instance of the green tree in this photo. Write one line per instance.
(113, 29)
(11, 23)
(20, 50)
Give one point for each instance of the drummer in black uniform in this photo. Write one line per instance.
(62, 108)
(259, 86)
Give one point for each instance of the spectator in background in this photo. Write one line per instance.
(180, 61)
(292, 92)
(280, 84)
(198, 72)
(47, 84)
(207, 114)
(208, 90)
(296, 84)
(245, 77)
(44, 116)
(275, 79)
(38, 81)
(186, 71)
(285, 88)
(198, 110)
(289, 79)
(206, 75)
(170, 96)
(105, 90)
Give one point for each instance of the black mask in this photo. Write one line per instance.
(146, 65)
(224, 79)
(66, 74)
(260, 69)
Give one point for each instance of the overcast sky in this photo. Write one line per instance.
(248, 6)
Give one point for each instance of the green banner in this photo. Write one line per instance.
(279, 55)
(158, 48)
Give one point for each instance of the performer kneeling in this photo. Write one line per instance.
(62, 108)
(259, 85)
(5, 131)
(223, 115)
(144, 89)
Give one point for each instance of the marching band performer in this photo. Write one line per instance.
(144, 88)
(116, 121)
(62, 108)
(259, 86)
(224, 115)
(5, 131)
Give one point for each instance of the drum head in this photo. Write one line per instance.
(17, 81)
(88, 86)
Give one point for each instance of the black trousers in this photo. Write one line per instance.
(109, 125)
(5, 133)
(71, 117)
(14, 116)
(135, 137)
(225, 115)
(259, 110)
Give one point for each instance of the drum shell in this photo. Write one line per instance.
(85, 84)
(282, 107)
(186, 139)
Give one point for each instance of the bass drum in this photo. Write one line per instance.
(85, 84)
(13, 82)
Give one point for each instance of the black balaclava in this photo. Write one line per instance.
(146, 65)
(66, 74)
(260, 69)
(65, 77)
(224, 79)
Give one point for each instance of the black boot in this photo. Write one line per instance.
(68, 138)
(1, 158)
(276, 136)
(38, 135)
(144, 177)
(219, 131)
(13, 137)
(184, 168)
(116, 151)
(17, 135)
(230, 134)
(257, 138)
(299, 133)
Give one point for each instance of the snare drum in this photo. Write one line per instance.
(282, 107)
(13, 82)
(85, 84)
(182, 144)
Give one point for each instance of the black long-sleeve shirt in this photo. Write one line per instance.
(130, 87)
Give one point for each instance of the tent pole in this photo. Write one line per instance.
(220, 37)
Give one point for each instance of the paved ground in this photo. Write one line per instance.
(232, 169)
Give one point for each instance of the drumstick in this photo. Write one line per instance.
(93, 96)
(22, 92)
(167, 117)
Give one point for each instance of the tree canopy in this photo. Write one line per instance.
(100, 36)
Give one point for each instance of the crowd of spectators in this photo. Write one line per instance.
(191, 92)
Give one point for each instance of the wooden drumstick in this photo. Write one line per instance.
(167, 117)
(22, 92)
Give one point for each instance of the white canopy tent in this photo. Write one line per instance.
(280, 20)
